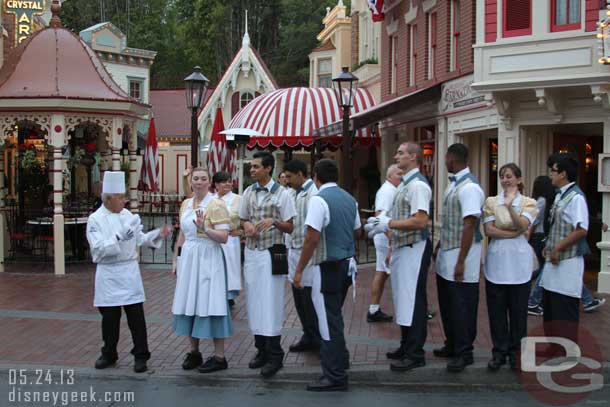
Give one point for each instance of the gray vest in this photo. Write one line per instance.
(337, 238)
(560, 229)
(453, 223)
(267, 209)
(302, 197)
(401, 209)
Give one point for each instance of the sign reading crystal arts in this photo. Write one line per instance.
(458, 95)
(24, 12)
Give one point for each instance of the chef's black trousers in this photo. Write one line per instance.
(111, 323)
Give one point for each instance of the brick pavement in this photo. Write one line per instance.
(50, 320)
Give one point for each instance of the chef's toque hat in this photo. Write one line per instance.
(114, 182)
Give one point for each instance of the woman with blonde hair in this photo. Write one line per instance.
(224, 186)
(200, 308)
(508, 265)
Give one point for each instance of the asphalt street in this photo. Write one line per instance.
(128, 391)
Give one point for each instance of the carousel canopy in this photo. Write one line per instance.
(289, 117)
(72, 70)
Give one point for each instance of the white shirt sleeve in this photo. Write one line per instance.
(287, 208)
(244, 213)
(419, 198)
(357, 223)
(384, 198)
(101, 245)
(576, 212)
(471, 200)
(318, 214)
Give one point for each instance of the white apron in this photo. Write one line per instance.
(318, 303)
(405, 265)
(201, 280)
(118, 284)
(265, 294)
(509, 261)
(293, 259)
(232, 253)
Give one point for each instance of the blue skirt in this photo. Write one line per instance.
(210, 327)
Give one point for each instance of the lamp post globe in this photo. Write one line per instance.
(344, 89)
(196, 85)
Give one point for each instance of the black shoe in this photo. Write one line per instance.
(102, 362)
(324, 384)
(396, 354)
(405, 365)
(258, 361)
(192, 360)
(271, 368)
(513, 362)
(140, 366)
(212, 364)
(443, 352)
(303, 346)
(378, 316)
(459, 363)
(496, 362)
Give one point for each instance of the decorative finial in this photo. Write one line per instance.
(55, 10)
(340, 4)
(246, 21)
(327, 10)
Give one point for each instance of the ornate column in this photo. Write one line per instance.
(57, 138)
(116, 142)
(133, 167)
(2, 220)
(603, 278)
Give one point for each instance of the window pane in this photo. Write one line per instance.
(518, 15)
(324, 66)
(325, 81)
(246, 98)
(574, 11)
(561, 12)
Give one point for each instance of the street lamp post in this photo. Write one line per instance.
(344, 88)
(196, 85)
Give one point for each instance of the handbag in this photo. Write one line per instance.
(279, 260)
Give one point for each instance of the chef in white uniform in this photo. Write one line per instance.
(411, 252)
(266, 213)
(383, 205)
(114, 234)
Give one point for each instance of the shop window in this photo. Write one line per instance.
(517, 18)
(565, 15)
(431, 45)
(325, 70)
(454, 42)
(135, 89)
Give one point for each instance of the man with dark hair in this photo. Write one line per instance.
(266, 211)
(562, 276)
(332, 218)
(303, 189)
(459, 260)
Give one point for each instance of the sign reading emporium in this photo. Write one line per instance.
(24, 12)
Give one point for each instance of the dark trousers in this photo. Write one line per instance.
(111, 323)
(270, 347)
(458, 304)
(507, 308)
(413, 337)
(333, 353)
(307, 315)
(558, 309)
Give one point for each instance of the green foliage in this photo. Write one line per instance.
(365, 62)
(208, 33)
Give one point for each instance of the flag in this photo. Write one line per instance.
(218, 145)
(149, 174)
(377, 9)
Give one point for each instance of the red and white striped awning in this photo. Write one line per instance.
(290, 117)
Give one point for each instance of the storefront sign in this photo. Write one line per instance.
(458, 95)
(24, 12)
